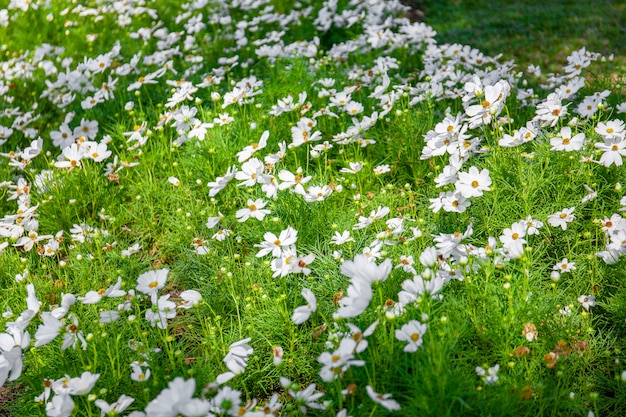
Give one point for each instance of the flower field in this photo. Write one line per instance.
(281, 208)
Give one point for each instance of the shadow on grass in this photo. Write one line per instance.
(532, 31)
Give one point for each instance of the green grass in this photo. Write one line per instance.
(482, 318)
(530, 32)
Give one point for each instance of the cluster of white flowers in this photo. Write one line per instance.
(327, 118)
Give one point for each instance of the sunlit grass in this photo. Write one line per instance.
(303, 209)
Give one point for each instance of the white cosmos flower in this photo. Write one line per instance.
(362, 269)
(109, 316)
(255, 209)
(116, 407)
(275, 244)
(302, 313)
(383, 399)
(177, 399)
(473, 183)
(237, 358)
(413, 333)
(561, 218)
(47, 331)
(341, 238)
(150, 282)
(247, 152)
(83, 384)
(357, 300)
(190, 298)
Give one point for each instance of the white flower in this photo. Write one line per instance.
(250, 172)
(564, 141)
(413, 333)
(381, 169)
(255, 209)
(614, 151)
(302, 313)
(116, 407)
(341, 238)
(247, 152)
(177, 399)
(513, 239)
(564, 266)
(61, 405)
(277, 353)
(221, 182)
(591, 194)
(109, 316)
(47, 331)
(150, 282)
(473, 183)
(139, 374)
(357, 300)
(338, 362)
(237, 358)
(275, 244)
(362, 269)
(190, 298)
(561, 218)
(587, 301)
(359, 337)
(83, 384)
(383, 399)
(131, 250)
(165, 309)
(227, 400)
(491, 374)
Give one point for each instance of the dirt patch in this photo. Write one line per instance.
(9, 395)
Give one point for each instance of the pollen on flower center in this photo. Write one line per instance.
(485, 104)
(153, 284)
(556, 112)
(474, 184)
(252, 207)
(614, 147)
(450, 128)
(566, 141)
(415, 337)
(335, 358)
(562, 215)
(515, 235)
(277, 242)
(610, 130)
